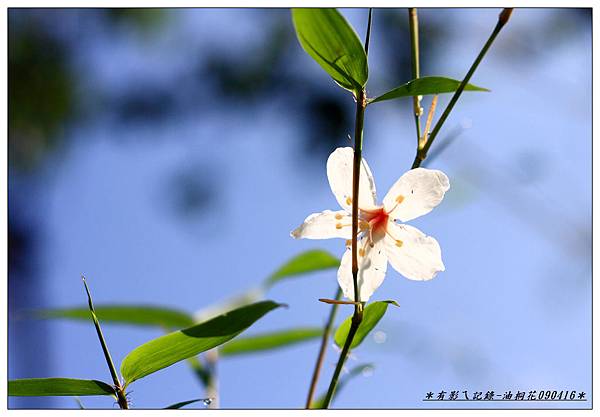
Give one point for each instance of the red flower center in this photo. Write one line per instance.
(377, 219)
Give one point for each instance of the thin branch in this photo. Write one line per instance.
(368, 37)
(323, 348)
(413, 24)
(422, 153)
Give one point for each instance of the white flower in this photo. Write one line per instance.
(380, 238)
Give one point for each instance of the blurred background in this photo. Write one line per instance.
(142, 151)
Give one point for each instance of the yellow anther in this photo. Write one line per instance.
(400, 199)
(338, 216)
(349, 242)
(399, 243)
(338, 226)
(361, 252)
(348, 200)
(363, 225)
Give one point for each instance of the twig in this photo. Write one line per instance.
(422, 153)
(413, 24)
(323, 349)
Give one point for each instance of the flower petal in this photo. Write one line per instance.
(412, 253)
(339, 173)
(325, 225)
(416, 193)
(371, 270)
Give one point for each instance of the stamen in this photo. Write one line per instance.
(368, 241)
(398, 242)
(338, 216)
(339, 225)
(348, 200)
(349, 243)
(398, 200)
(363, 225)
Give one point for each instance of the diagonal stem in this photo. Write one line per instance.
(120, 391)
(323, 348)
(422, 153)
(354, 325)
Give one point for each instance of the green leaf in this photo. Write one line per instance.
(372, 313)
(177, 346)
(268, 341)
(309, 261)
(424, 86)
(177, 406)
(140, 315)
(330, 40)
(357, 370)
(38, 387)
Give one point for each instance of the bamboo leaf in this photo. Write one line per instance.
(330, 40)
(166, 350)
(176, 406)
(38, 387)
(139, 315)
(309, 261)
(424, 86)
(267, 341)
(372, 313)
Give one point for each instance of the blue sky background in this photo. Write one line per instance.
(512, 311)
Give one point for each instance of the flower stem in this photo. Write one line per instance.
(358, 308)
(119, 389)
(356, 320)
(361, 105)
(413, 23)
(422, 153)
(323, 348)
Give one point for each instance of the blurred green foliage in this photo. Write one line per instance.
(40, 92)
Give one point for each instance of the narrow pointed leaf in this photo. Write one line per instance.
(330, 40)
(177, 406)
(309, 261)
(357, 370)
(267, 341)
(139, 315)
(372, 313)
(41, 387)
(424, 86)
(166, 350)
